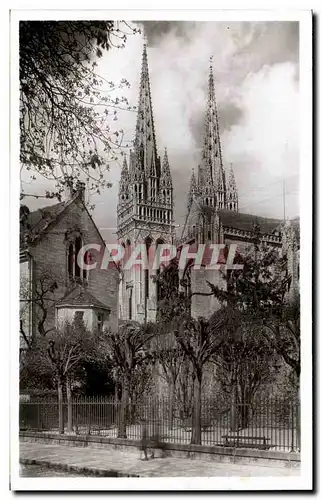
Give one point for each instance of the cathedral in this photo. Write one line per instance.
(145, 212)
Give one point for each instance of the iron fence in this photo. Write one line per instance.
(268, 423)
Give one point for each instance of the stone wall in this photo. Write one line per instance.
(219, 453)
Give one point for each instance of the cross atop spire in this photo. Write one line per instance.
(145, 60)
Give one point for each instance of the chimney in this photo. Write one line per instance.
(80, 190)
(68, 189)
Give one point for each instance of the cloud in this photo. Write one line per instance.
(264, 145)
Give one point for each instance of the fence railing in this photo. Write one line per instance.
(269, 423)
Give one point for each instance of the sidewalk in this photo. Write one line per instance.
(108, 461)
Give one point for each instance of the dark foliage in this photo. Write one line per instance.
(65, 123)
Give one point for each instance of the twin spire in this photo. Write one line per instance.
(145, 167)
(144, 142)
(145, 176)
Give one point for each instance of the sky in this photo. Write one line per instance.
(256, 68)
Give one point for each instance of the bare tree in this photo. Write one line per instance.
(200, 340)
(169, 357)
(69, 347)
(185, 389)
(39, 297)
(126, 350)
(66, 120)
(244, 363)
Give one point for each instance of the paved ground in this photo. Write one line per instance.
(44, 471)
(109, 461)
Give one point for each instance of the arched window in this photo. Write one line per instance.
(87, 260)
(78, 246)
(73, 268)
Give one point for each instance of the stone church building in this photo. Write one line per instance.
(145, 212)
(54, 288)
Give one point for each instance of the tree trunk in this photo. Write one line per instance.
(244, 408)
(122, 420)
(196, 427)
(60, 406)
(233, 411)
(117, 392)
(69, 406)
(244, 415)
(171, 403)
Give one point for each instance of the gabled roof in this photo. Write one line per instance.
(80, 297)
(36, 222)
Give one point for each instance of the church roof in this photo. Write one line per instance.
(245, 222)
(237, 220)
(36, 222)
(80, 297)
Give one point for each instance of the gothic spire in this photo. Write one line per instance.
(231, 191)
(212, 169)
(193, 191)
(199, 180)
(231, 179)
(145, 209)
(145, 143)
(124, 181)
(165, 179)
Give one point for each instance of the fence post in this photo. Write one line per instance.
(38, 416)
(298, 421)
(233, 411)
(69, 405)
(292, 424)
